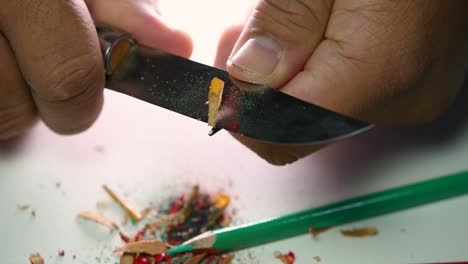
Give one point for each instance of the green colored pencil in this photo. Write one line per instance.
(273, 229)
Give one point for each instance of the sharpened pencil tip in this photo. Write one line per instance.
(214, 130)
(180, 249)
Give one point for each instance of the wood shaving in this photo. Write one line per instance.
(36, 258)
(317, 258)
(127, 259)
(134, 213)
(151, 247)
(316, 232)
(195, 259)
(33, 212)
(288, 258)
(98, 218)
(215, 95)
(228, 259)
(23, 207)
(360, 232)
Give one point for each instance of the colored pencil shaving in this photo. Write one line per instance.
(23, 207)
(360, 232)
(127, 259)
(215, 95)
(199, 214)
(316, 232)
(150, 247)
(98, 218)
(288, 258)
(135, 214)
(183, 218)
(36, 258)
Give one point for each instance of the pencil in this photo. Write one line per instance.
(371, 205)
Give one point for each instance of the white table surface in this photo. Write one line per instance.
(149, 153)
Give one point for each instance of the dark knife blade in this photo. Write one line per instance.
(182, 86)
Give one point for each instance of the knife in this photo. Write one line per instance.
(182, 86)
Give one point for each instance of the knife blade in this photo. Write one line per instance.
(182, 86)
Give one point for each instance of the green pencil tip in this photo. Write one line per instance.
(180, 249)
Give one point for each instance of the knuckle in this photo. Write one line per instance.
(72, 78)
(15, 120)
(290, 19)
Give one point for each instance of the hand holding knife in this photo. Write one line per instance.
(182, 86)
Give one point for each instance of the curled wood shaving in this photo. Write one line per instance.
(127, 259)
(360, 232)
(195, 259)
(36, 258)
(134, 213)
(98, 218)
(151, 247)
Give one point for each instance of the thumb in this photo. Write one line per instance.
(278, 39)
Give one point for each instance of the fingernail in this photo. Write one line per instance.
(256, 60)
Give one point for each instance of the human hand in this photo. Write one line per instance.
(381, 61)
(50, 60)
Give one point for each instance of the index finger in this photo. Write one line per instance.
(57, 49)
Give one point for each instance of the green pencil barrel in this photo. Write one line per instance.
(351, 210)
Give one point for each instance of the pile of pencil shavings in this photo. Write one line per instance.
(183, 219)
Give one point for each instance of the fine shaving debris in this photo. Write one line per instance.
(135, 214)
(98, 218)
(288, 258)
(316, 232)
(360, 232)
(214, 99)
(103, 204)
(26, 207)
(36, 258)
(23, 207)
(151, 247)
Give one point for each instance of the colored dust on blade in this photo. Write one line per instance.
(183, 218)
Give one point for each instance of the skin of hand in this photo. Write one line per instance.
(50, 60)
(381, 61)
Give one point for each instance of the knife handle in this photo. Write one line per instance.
(115, 46)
